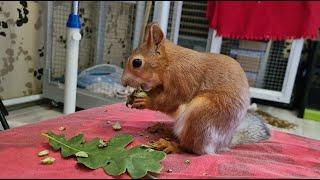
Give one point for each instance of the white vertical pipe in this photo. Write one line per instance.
(177, 13)
(72, 55)
(161, 14)
(214, 42)
(75, 7)
(70, 90)
(140, 8)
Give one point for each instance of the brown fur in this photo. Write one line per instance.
(208, 93)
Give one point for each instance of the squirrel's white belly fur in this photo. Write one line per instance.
(180, 118)
(251, 129)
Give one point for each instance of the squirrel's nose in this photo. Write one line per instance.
(124, 81)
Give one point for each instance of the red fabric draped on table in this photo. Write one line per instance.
(282, 156)
(264, 20)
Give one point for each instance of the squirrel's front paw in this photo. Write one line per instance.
(142, 103)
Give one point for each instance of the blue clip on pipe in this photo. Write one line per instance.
(74, 18)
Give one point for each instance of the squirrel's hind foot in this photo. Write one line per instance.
(166, 146)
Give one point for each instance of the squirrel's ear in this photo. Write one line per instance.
(153, 34)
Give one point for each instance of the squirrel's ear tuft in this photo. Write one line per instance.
(153, 35)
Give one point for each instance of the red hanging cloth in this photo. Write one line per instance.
(264, 20)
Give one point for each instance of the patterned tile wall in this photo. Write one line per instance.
(21, 49)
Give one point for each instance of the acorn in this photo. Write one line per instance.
(138, 93)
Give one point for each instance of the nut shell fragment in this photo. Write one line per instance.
(81, 154)
(62, 128)
(43, 153)
(116, 126)
(48, 160)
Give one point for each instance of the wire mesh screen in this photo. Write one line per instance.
(119, 30)
(61, 13)
(117, 46)
(265, 68)
(171, 19)
(193, 32)
(277, 65)
(150, 18)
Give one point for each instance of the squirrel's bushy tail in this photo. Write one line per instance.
(251, 130)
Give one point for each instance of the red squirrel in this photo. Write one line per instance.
(206, 93)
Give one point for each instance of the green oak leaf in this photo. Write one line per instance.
(138, 161)
(99, 156)
(114, 158)
(68, 148)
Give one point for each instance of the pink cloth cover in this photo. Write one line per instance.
(282, 156)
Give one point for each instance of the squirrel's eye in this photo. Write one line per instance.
(136, 63)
